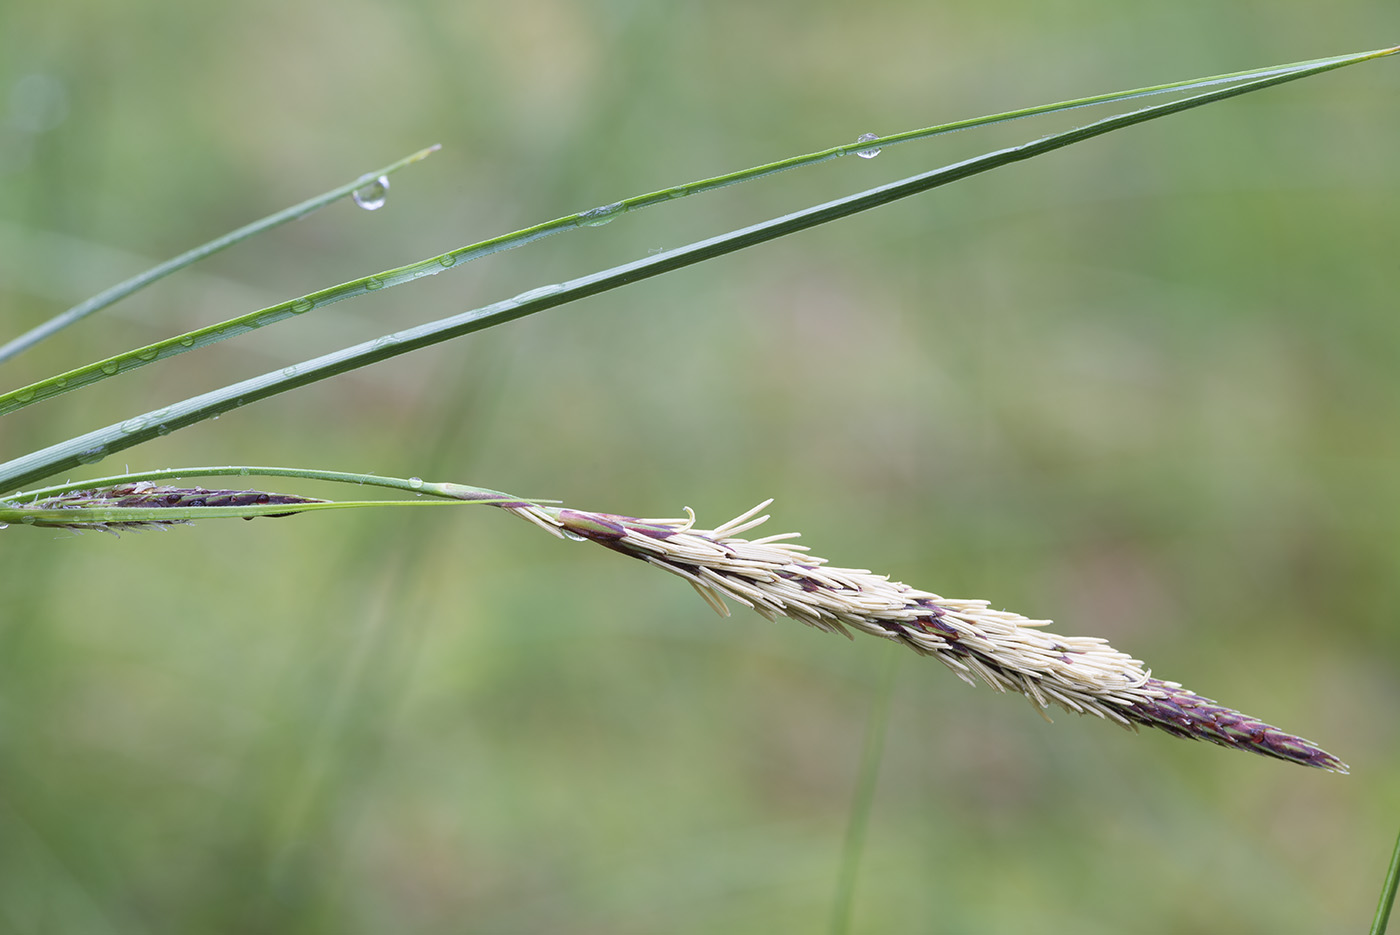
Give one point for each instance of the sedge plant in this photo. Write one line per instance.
(769, 574)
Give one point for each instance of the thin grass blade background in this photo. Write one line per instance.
(1145, 386)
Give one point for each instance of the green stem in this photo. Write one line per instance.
(407, 484)
(123, 289)
(98, 444)
(864, 796)
(212, 334)
(1392, 882)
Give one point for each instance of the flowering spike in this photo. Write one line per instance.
(1007, 651)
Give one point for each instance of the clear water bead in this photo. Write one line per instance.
(867, 153)
(597, 217)
(372, 196)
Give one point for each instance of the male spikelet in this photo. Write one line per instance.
(1007, 651)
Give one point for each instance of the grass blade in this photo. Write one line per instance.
(212, 334)
(96, 445)
(1392, 882)
(864, 797)
(123, 289)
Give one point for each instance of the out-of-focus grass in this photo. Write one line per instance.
(1146, 387)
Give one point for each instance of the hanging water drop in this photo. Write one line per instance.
(415, 482)
(92, 455)
(446, 260)
(570, 534)
(24, 395)
(539, 293)
(109, 367)
(373, 195)
(597, 217)
(302, 305)
(867, 153)
(149, 353)
(187, 341)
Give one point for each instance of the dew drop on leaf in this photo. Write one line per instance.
(372, 196)
(867, 153)
(603, 214)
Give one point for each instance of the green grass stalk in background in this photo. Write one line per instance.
(863, 799)
(1388, 888)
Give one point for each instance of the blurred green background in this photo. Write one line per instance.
(1147, 386)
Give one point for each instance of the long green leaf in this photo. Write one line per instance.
(123, 289)
(212, 334)
(94, 446)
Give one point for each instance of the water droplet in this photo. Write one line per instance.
(446, 260)
(302, 305)
(133, 425)
(677, 193)
(597, 217)
(92, 455)
(162, 429)
(60, 382)
(374, 282)
(4, 525)
(24, 395)
(415, 482)
(867, 153)
(149, 353)
(187, 341)
(570, 534)
(373, 195)
(29, 520)
(109, 367)
(539, 293)
(289, 371)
